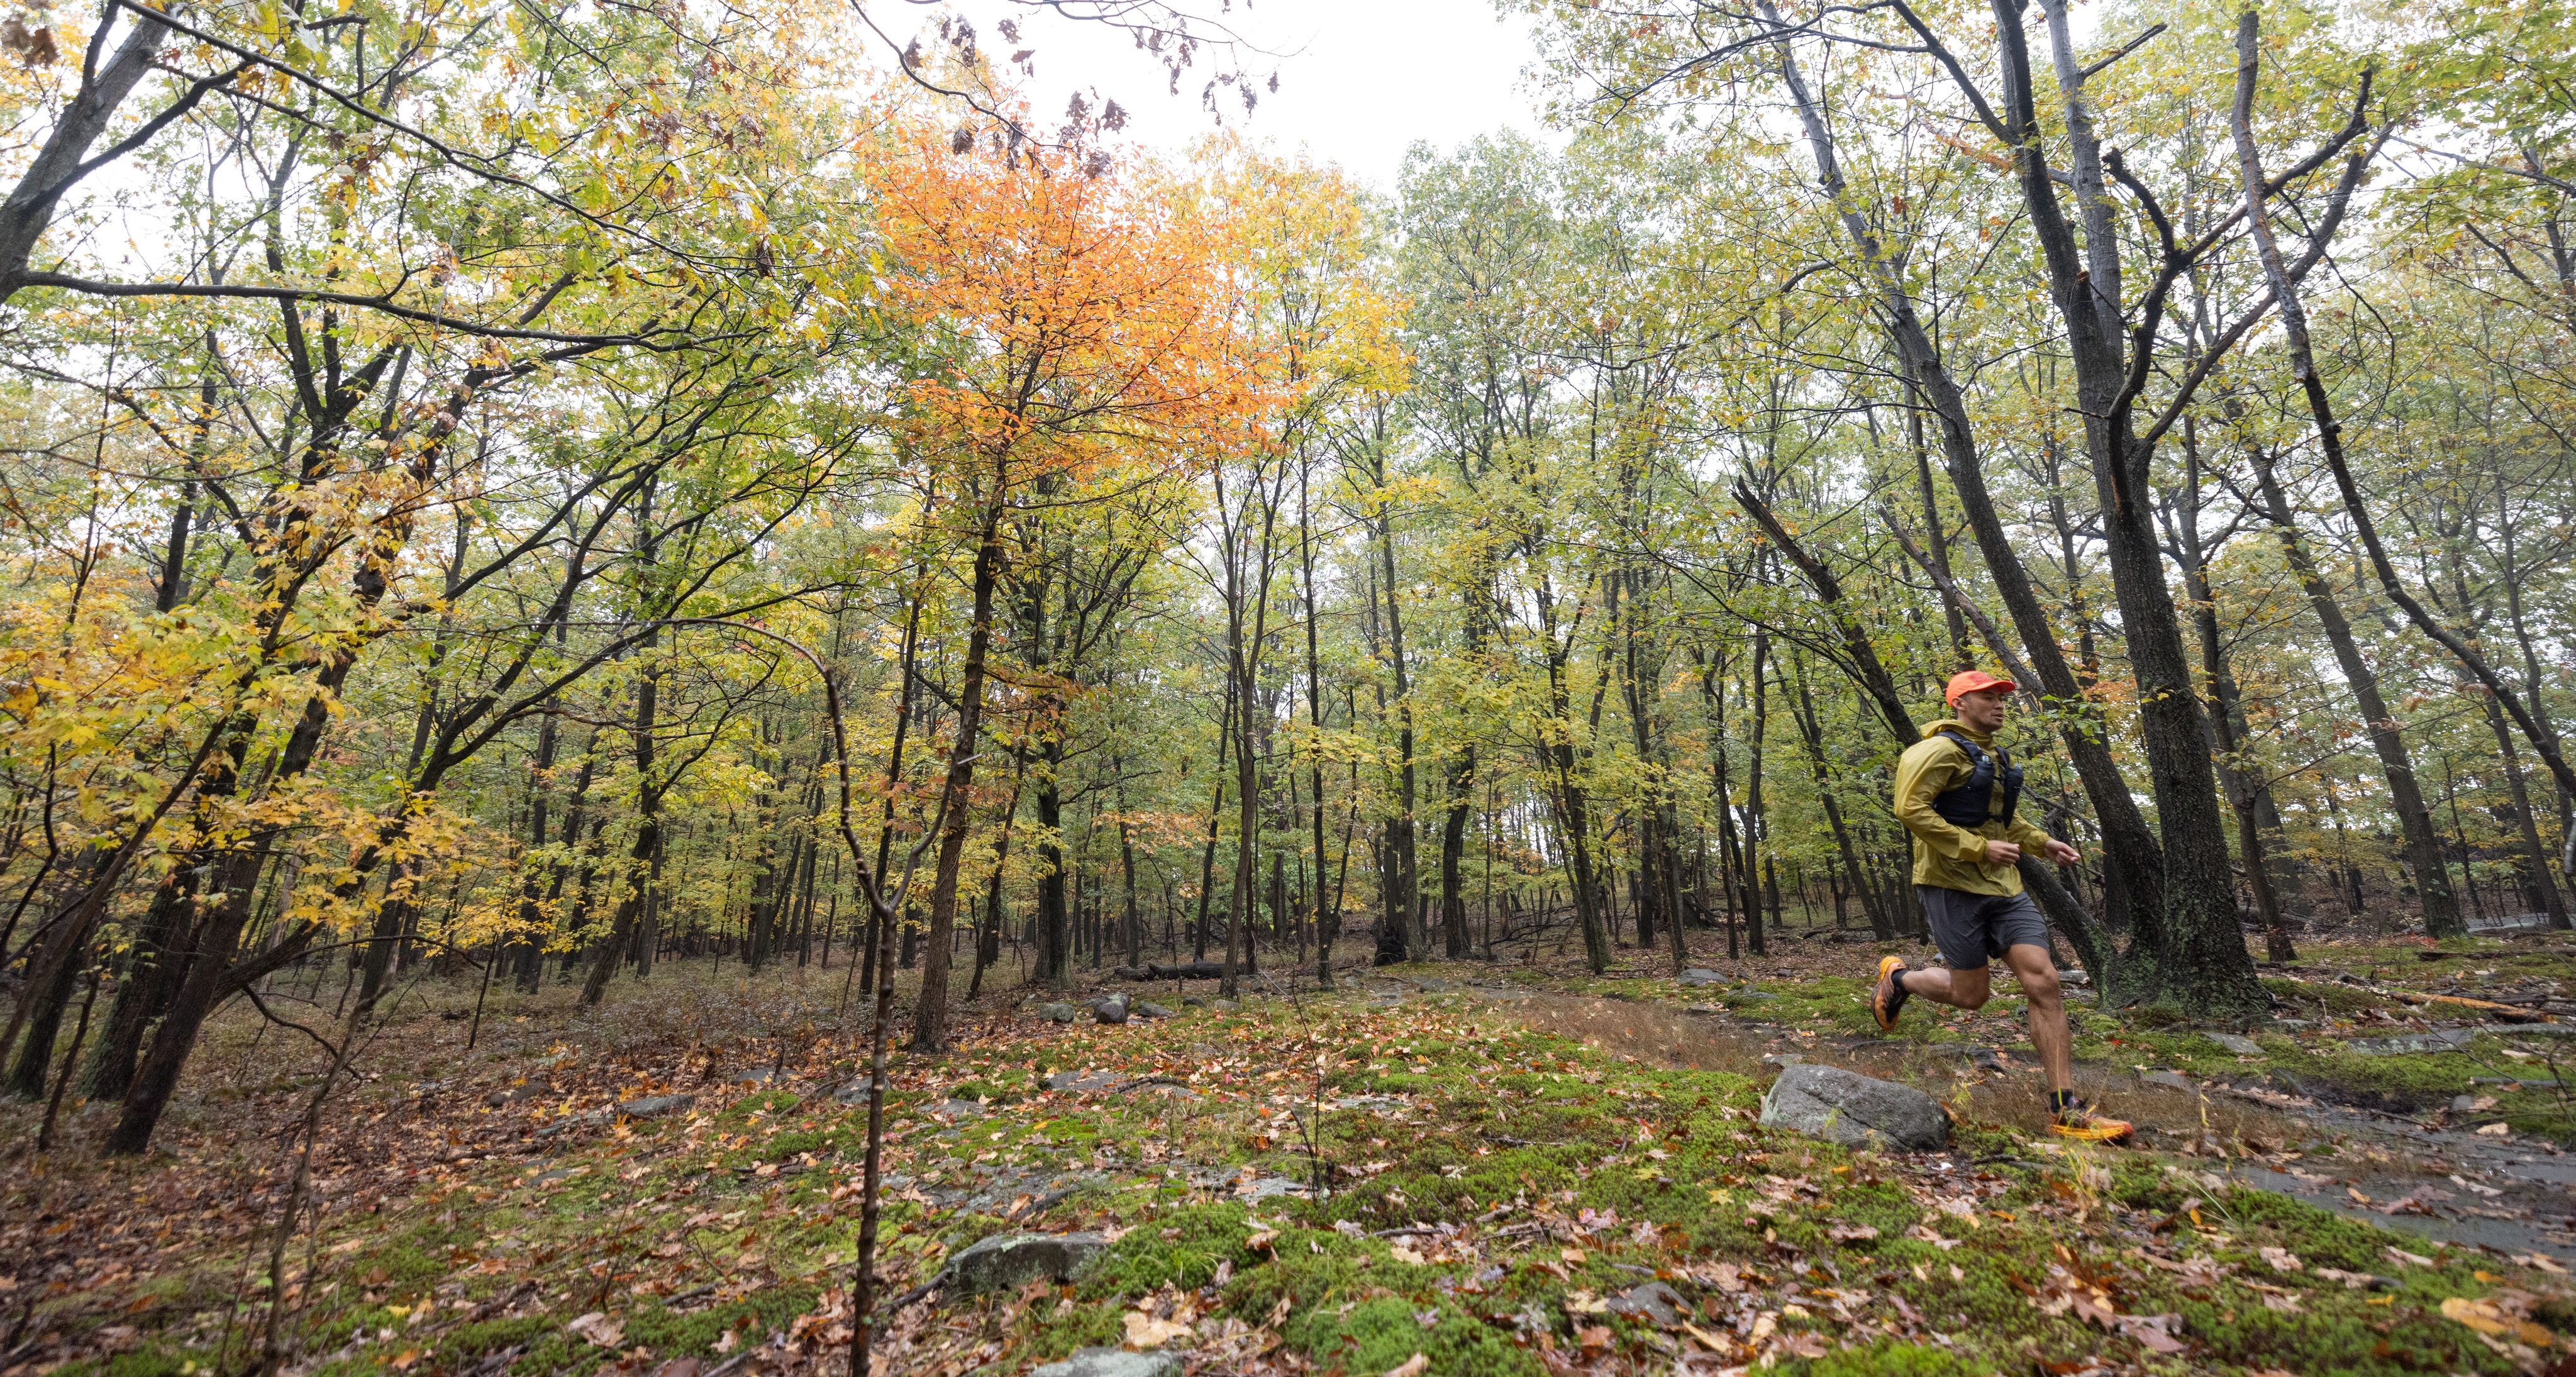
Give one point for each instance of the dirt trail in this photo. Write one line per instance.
(2516, 1195)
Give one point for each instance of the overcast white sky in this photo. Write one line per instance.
(1359, 80)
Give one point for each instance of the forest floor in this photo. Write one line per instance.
(1457, 1167)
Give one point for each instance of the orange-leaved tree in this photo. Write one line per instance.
(1067, 322)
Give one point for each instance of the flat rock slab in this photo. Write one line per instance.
(1007, 1262)
(1112, 1362)
(1698, 976)
(1269, 1187)
(1855, 1110)
(2170, 1080)
(1087, 1080)
(1146, 1008)
(652, 1105)
(2440, 1040)
(2237, 1043)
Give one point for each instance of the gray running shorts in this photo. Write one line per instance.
(1973, 929)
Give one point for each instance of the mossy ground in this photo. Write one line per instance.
(1495, 1189)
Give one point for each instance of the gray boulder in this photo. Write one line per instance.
(1007, 1262)
(1146, 1008)
(1698, 976)
(856, 1092)
(2237, 1043)
(2170, 1080)
(1852, 1109)
(1226, 1006)
(1110, 1010)
(1112, 1362)
(652, 1105)
(1058, 1012)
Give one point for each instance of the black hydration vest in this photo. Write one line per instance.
(1971, 804)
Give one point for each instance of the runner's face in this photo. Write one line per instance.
(1984, 709)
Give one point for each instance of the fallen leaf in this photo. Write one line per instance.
(598, 1329)
(1414, 1366)
(2486, 1318)
(409, 1356)
(1706, 1340)
(1403, 1250)
(2280, 1259)
(2496, 1130)
(2410, 1259)
(1859, 1234)
(1145, 1331)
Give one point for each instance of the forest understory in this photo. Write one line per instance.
(1524, 1168)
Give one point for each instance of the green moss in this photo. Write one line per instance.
(1890, 1358)
(1378, 1334)
(1182, 1248)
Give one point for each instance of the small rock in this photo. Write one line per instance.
(762, 1076)
(1007, 1262)
(1112, 1362)
(1225, 1006)
(2073, 975)
(1110, 1010)
(1194, 1001)
(1855, 1110)
(1254, 1192)
(2169, 1080)
(1058, 1012)
(1697, 976)
(652, 1105)
(1781, 1061)
(1984, 1058)
(513, 1094)
(2237, 1043)
(1652, 1301)
(1146, 1008)
(856, 1092)
(2293, 1024)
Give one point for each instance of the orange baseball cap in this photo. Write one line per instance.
(1974, 681)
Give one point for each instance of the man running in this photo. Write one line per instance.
(1956, 793)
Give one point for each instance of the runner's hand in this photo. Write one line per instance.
(2062, 853)
(2002, 853)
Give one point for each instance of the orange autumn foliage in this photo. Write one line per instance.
(1071, 319)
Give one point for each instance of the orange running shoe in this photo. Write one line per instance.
(2082, 1122)
(1889, 998)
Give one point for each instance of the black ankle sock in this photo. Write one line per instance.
(2062, 1099)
